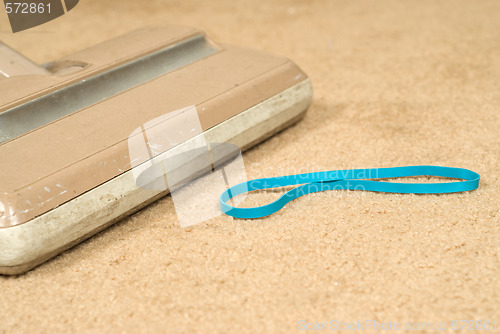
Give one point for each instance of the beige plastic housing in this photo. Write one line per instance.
(65, 169)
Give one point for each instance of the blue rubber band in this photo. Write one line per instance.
(349, 179)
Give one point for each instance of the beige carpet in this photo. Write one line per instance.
(396, 83)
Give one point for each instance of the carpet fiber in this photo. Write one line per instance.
(396, 83)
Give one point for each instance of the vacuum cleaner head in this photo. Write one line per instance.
(79, 137)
